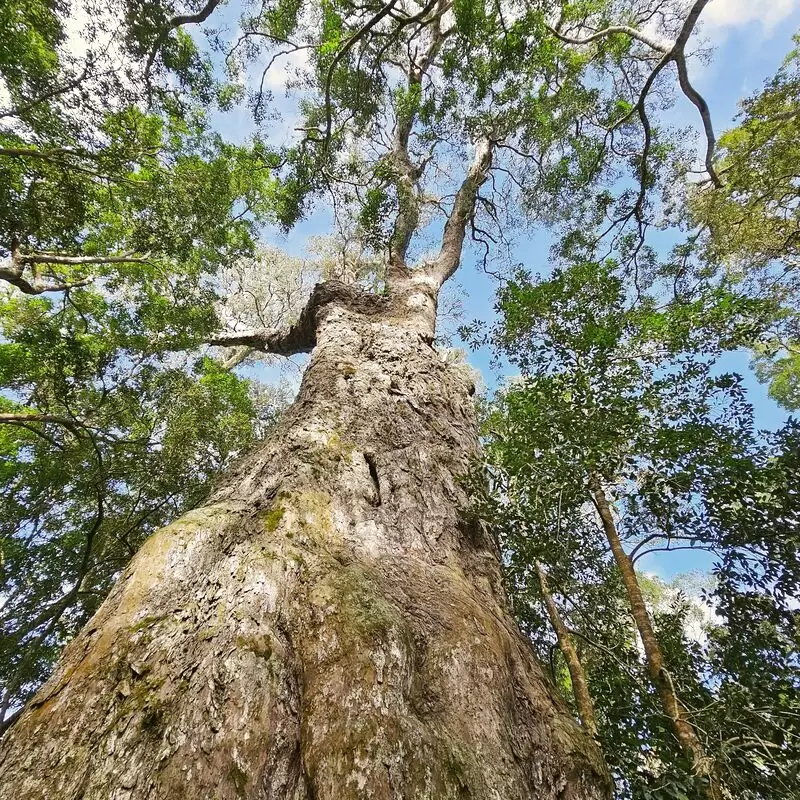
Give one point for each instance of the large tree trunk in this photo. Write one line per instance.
(328, 625)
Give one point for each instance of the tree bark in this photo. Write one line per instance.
(580, 687)
(329, 625)
(671, 703)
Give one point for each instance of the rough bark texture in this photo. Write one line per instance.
(327, 626)
(580, 686)
(670, 702)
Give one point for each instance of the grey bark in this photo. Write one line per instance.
(329, 625)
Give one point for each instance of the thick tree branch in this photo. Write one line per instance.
(679, 57)
(650, 41)
(54, 258)
(266, 340)
(455, 228)
(580, 686)
(14, 274)
(674, 51)
(705, 115)
(172, 24)
(15, 278)
(408, 173)
(673, 707)
(302, 336)
(25, 418)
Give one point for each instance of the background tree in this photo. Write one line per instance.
(618, 411)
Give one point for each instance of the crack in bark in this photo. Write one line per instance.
(372, 466)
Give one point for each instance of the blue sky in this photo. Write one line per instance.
(749, 40)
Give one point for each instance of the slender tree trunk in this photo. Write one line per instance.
(580, 688)
(673, 708)
(327, 626)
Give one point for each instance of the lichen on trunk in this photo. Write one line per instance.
(328, 625)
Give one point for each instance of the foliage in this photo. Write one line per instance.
(82, 177)
(752, 221)
(119, 206)
(108, 440)
(393, 96)
(625, 387)
(753, 218)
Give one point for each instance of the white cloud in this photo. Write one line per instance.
(286, 67)
(735, 13)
